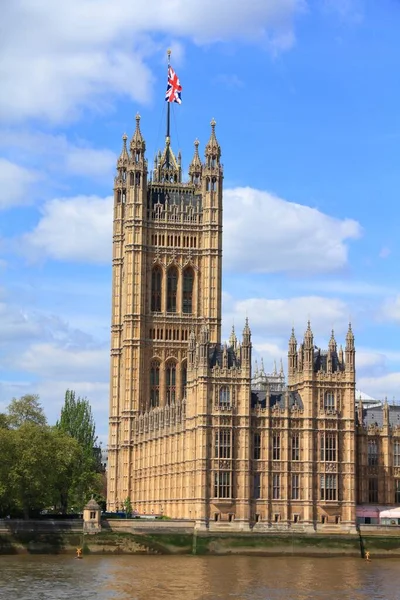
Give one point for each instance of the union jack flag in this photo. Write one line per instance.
(174, 88)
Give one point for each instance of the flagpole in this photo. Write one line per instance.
(168, 117)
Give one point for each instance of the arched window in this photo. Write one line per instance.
(154, 384)
(172, 288)
(171, 382)
(183, 380)
(156, 278)
(329, 401)
(187, 296)
(224, 397)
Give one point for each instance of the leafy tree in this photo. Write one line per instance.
(7, 452)
(24, 410)
(3, 421)
(128, 507)
(77, 421)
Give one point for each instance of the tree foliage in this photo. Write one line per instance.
(44, 467)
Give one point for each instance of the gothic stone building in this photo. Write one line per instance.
(190, 436)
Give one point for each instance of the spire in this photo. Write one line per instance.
(256, 368)
(213, 148)
(332, 343)
(233, 338)
(281, 371)
(275, 372)
(350, 339)
(308, 336)
(123, 157)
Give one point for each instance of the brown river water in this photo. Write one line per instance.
(197, 578)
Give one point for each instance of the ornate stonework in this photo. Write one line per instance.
(191, 435)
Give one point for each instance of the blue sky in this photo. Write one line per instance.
(306, 97)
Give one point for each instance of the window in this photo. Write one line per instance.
(328, 487)
(156, 278)
(223, 440)
(224, 397)
(171, 382)
(92, 515)
(296, 447)
(257, 486)
(328, 447)
(329, 401)
(372, 453)
(373, 489)
(184, 380)
(397, 491)
(396, 454)
(276, 486)
(276, 447)
(187, 296)
(154, 384)
(257, 446)
(172, 288)
(295, 487)
(223, 484)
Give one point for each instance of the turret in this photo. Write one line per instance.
(308, 349)
(195, 167)
(246, 344)
(292, 354)
(204, 343)
(350, 351)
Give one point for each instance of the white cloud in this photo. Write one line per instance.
(57, 153)
(277, 316)
(387, 385)
(390, 309)
(82, 52)
(266, 234)
(76, 229)
(15, 184)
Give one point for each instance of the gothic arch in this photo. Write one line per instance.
(187, 290)
(155, 383)
(156, 288)
(172, 289)
(170, 381)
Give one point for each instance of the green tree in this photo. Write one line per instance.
(8, 452)
(77, 421)
(3, 421)
(26, 409)
(128, 507)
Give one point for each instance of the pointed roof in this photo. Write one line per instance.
(124, 156)
(137, 140)
(213, 146)
(308, 336)
(350, 338)
(195, 165)
(332, 342)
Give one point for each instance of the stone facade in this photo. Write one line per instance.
(191, 434)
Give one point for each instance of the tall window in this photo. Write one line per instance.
(396, 454)
(184, 380)
(295, 446)
(276, 486)
(328, 447)
(171, 382)
(276, 447)
(154, 384)
(373, 489)
(187, 296)
(223, 440)
(257, 446)
(372, 453)
(295, 487)
(223, 484)
(328, 487)
(397, 491)
(172, 289)
(257, 486)
(156, 279)
(224, 397)
(329, 401)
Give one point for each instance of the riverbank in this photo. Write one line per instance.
(174, 537)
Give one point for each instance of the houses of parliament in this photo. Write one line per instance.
(195, 431)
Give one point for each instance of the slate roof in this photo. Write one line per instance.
(216, 353)
(321, 361)
(374, 416)
(259, 398)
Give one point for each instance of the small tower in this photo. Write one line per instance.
(350, 351)
(195, 167)
(308, 350)
(292, 357)
(246, 344)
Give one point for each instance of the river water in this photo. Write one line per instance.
(197, 578)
